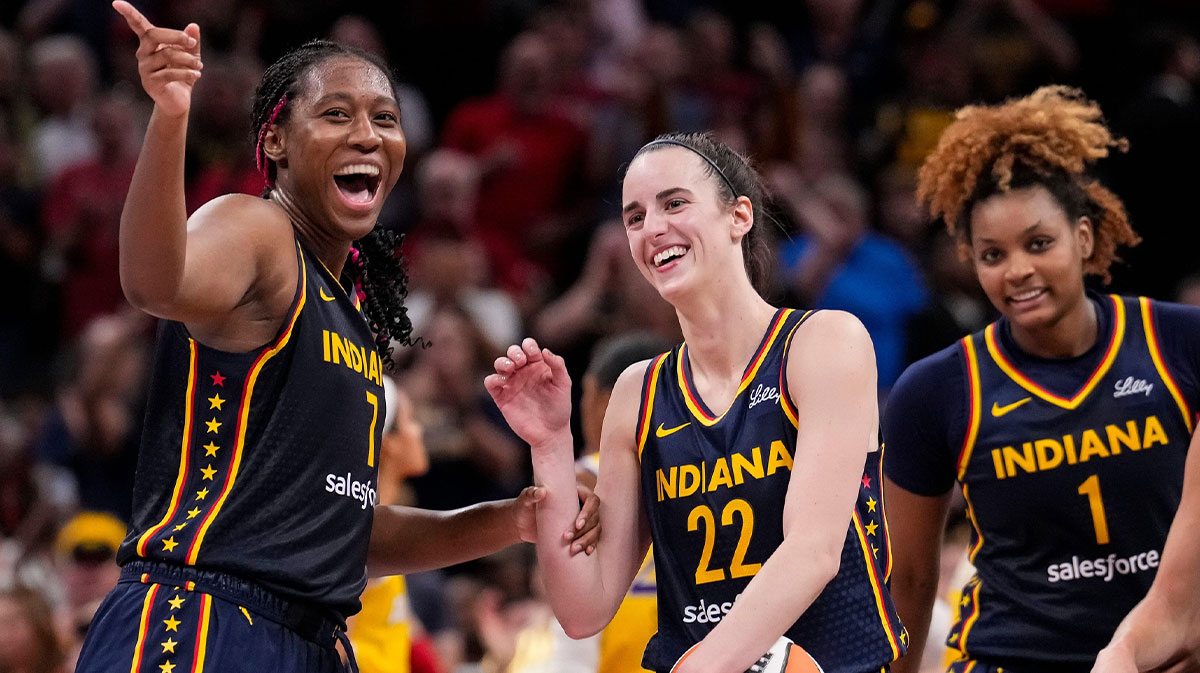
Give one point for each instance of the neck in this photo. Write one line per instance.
(1069, 336)
(330, 250)
(723, 328)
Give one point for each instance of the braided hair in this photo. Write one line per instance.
(374, 265)
(1047, 139)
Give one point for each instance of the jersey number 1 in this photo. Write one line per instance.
(738, 566)
(1091, 488)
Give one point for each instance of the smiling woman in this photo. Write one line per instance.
(1054, 420)
(747, 454)
(256, 497)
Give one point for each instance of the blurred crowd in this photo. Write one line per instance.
(519, 116)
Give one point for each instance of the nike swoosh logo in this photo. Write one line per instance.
(325, 296)
(663, 432)
(999, 411)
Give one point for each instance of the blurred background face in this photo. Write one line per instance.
(525, 74)
(448, 188)
(62, 72)
(403, 444)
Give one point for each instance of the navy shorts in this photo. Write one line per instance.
(979, 666)
(172, 619)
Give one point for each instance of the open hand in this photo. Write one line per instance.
(533, 391)
(168, 60)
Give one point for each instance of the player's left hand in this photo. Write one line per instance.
(583, 536)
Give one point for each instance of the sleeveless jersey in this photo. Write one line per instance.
(714, 487)
(262, 464)
(1069, 493)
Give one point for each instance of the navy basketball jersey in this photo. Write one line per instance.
(1069, 492)
(714, 486)
(262, 464)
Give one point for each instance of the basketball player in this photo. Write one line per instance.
(254, 515)
(740, 453)
(1065, 423)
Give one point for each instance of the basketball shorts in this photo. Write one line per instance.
(164, 618)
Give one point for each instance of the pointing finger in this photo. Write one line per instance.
(137, 22)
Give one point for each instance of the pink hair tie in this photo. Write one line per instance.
(260, 157)
(358, 287)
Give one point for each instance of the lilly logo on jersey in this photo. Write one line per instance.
(1131, 386)
(360, 491)
(763, 394)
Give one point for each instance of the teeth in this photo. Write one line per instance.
(358, 169)
(673, 251)
(1026, 295)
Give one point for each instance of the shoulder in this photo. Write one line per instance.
(942, 368)
(1176, 329)
(241, 210)
(923, 418)
(831, 346)
(629, 383)
(625, 403)
(832, 332)
(1171, 316)
(256, 223)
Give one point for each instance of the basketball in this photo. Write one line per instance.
(786, 657)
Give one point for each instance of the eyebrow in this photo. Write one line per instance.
(1024, 231)
(343, 96)
(657, 197)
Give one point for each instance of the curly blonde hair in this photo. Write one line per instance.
(1048, 138)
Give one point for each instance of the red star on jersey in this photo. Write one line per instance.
(218, 380)
(866, 481)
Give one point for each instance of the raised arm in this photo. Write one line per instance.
(838, 420)
(167, 269)
(532, 389)
(1164, 628)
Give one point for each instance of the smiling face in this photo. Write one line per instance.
(680, 232)
(1028, 256)
(341, 150)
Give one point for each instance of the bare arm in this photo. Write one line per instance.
(839, 420)
(1164, 628)
(166, 266)
(915, 526)
(532, 389)
(408, 539)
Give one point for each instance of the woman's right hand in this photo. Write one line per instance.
(168, 60)
(533, 391)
